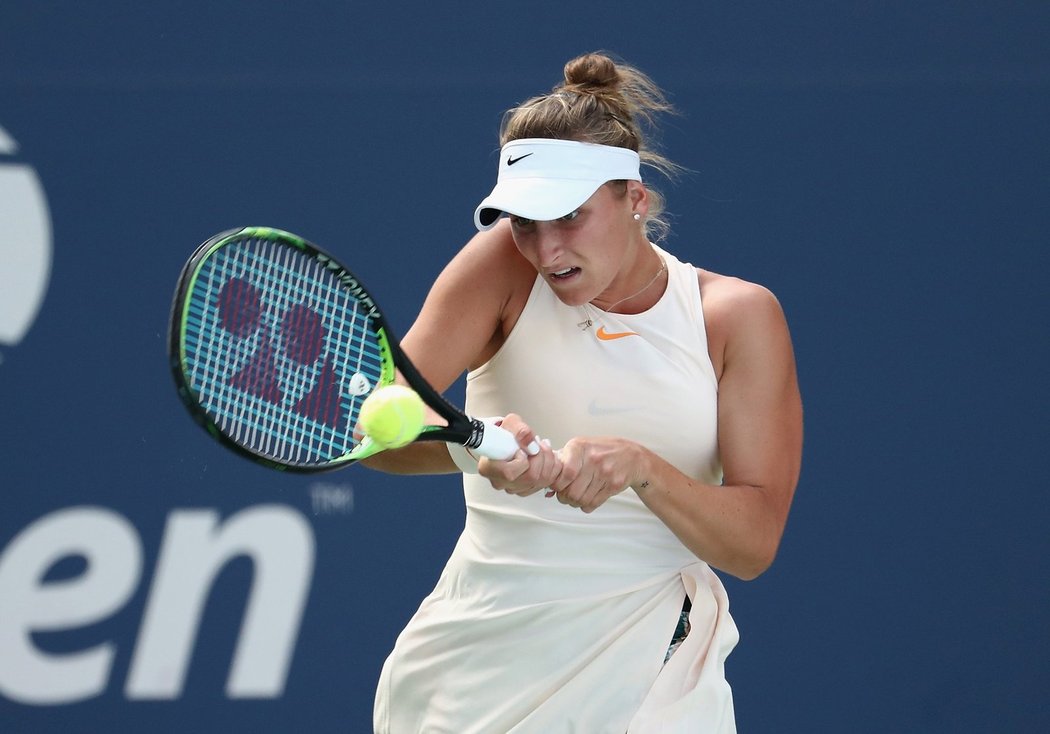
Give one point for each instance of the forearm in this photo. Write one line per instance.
(426, 457)
(735, 528)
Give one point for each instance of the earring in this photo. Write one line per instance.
(637, 217)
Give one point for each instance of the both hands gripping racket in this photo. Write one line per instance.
(274, 346)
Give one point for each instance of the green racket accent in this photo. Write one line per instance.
(367, 447)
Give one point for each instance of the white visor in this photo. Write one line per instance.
(544, 179)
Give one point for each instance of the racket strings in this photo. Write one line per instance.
(272, 340)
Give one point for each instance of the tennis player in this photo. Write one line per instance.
(580, 596)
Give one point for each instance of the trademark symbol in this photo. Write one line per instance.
(331, 499)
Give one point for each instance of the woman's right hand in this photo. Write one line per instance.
(523, 474)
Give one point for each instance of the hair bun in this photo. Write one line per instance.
(592, 72)
(601, 101)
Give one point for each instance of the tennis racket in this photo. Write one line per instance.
(274, 346)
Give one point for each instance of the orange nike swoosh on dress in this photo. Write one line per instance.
(605, 336)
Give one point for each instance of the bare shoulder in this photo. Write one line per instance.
(736, 300)
(493, 254)
(486, 273)
(482, 289)
(737, 314)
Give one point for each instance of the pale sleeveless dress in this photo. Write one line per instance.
(547, 620)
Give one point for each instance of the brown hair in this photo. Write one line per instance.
(599, 101)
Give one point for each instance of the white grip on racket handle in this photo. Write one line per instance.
(498, 443)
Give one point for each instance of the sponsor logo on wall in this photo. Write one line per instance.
(191, 552)
(25, 244)
(196, 545)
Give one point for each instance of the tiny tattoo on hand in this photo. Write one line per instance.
(644, 484)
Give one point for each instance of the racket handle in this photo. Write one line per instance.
(495, 442)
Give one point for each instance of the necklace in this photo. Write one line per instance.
(643, 289)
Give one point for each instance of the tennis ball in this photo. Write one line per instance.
(392, 416)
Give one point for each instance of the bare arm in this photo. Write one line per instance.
(737, 527)
(468, 311)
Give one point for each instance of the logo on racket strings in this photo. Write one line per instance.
(283, 354)
(277, 352)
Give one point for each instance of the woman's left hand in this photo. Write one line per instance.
(595, 469)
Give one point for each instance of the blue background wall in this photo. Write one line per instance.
(882, 166)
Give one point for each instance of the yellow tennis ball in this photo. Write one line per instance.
(392, 416)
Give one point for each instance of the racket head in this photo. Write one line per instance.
(274, 346)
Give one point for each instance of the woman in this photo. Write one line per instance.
(665, 407)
